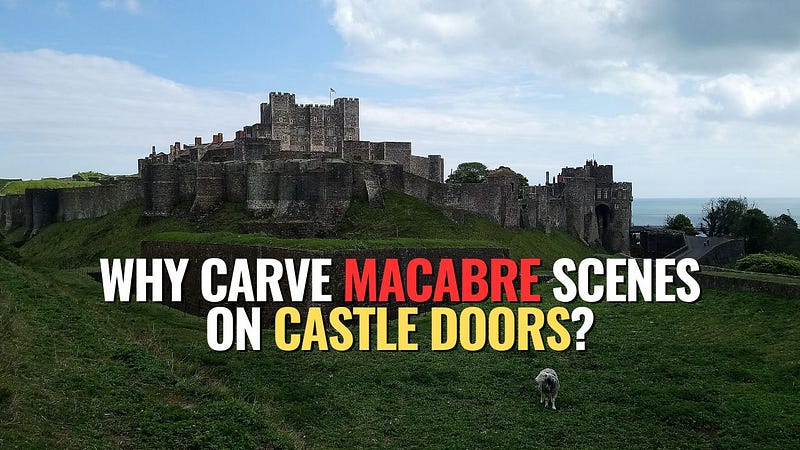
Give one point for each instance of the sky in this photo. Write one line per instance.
(684, 98)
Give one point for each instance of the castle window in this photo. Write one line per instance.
(598, 194)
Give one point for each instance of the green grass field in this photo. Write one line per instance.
(5, 181)
(316, 243)
(90, 174)
(18, 187)
(79, 373)
(76, 372)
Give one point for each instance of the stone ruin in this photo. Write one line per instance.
(298, 169)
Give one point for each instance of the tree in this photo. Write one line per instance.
(722, 215)
(756, 228)
(784, 221)
(785, 235)
(468, 172)
(680, 223)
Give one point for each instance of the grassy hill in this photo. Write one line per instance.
(78, 373)
(5, 181)
(405, 222)
(18, 187)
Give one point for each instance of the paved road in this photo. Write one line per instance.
(695, 247)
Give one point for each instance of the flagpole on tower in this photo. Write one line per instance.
(330, 96)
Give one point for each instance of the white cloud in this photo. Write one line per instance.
(130, 6)
(649, 51)
(472, 38)
(680, 108)
(754, 96)
(524, 84)
(71, 112)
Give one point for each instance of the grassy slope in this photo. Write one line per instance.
(82, 242)
(76, 372)
(4, 182)
(18, 187)
(79, 373)
(316, 243)
(405, 216)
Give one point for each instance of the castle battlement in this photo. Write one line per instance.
(304, 163)
(299, 168)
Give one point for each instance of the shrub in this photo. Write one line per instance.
(769, 263)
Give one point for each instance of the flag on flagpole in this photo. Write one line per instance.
(333, 91)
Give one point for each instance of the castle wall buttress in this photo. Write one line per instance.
(621, 217)
(579, 202)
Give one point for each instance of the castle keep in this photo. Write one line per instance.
(298, 169)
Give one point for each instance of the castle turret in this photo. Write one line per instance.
(345, 111)
(280, 111)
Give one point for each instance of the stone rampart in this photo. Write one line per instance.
(724, 253)
(97, 201)
(45, 206)
(211, 190)
(12, 211)
(710, 280)
(41, 209)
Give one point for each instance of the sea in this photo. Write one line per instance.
(654, 211)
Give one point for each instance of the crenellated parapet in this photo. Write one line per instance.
(300, 166)
(584, 201)
(308, 127)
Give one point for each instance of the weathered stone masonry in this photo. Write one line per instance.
(298, 169)
(300, 166)
(37, 208)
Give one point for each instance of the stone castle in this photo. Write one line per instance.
(300, 166)
(298, 169)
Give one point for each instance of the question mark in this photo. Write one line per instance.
(585, 314)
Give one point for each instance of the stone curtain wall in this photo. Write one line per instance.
(299, 190)
(495, 200)
(658, 243)
(45, 206)
(295, 193)
(193, 303)
(96, 201)
(708, 280)
(41, 208)
(724, 253)
(12, 211)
